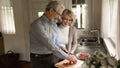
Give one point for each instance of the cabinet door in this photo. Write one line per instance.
(1, 46)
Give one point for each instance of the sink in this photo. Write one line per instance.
(88, 40)
(90, 45)
(91, 48)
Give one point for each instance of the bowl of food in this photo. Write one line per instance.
(82, 56)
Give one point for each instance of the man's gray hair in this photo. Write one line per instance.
(55, 5)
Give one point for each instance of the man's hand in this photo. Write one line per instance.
(72, 59)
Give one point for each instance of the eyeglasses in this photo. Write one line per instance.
(57, 12)
(65, 19)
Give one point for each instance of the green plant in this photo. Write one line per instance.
(118, 64)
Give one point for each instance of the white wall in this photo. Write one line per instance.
(96, 14)
(19, 42)
(36, 6)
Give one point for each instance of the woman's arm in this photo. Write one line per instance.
(74, 40)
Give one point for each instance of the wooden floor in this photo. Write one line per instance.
(20, 64)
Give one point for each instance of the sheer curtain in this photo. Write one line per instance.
(111, 25)
(7, 25)
(105, 18)
(113, 20)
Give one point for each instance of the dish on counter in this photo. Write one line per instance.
(82, 56)
(61, 64)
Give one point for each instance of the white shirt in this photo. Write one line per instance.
(63, 34)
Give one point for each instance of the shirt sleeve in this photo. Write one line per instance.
(74, 44)
(57, 43)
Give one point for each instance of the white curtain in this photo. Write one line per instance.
(113, 20)
(7, 25)
(105, 18)
(111, 24)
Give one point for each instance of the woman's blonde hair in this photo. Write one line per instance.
(69, 13)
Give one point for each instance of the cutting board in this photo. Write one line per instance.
(77, 65)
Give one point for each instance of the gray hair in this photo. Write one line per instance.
(55, 5)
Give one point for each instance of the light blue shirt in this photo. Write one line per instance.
(42, 35)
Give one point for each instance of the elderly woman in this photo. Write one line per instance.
(67, 34)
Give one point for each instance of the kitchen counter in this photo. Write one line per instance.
(90, 45)
(90, 49)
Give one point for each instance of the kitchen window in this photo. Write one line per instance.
(7, 25)
(40, 14)
(79, 7)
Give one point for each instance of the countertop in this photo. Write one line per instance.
(77, 65)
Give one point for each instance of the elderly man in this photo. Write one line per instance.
(42, 34)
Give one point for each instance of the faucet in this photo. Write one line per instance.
(98, 35)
